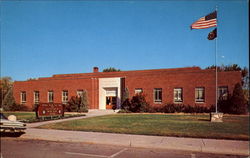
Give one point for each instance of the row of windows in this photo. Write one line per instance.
(65, 96)
(178, 94)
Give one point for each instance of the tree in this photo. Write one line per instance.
(111, 69)
(244, 75)
(238, 104)
(125, 100)
(139, 103)
(7, 98)
(235, 103)
(78, 103)
(233, 67)
(125, 95)
(84, 102)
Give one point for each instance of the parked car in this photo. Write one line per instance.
(11, 126)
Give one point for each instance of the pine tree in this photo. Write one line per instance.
(84, 102)
(238, 103)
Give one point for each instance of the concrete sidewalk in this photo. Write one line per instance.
(156, 142)
(91, 113)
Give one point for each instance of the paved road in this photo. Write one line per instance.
(27, 148)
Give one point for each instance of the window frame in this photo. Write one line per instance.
(36, 97)
(227, 92)
(50, 96)
(157, 95)
(65, 96)
(178, 89)
(23, 98)
(200, 100)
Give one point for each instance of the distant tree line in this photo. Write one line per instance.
(111, 69)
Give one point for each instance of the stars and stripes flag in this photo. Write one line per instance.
(207, 21)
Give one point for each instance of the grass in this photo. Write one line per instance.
(30, 117)
(187, 125)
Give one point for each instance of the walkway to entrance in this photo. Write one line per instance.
(91, 113)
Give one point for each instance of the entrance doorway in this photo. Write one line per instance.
(110, 102)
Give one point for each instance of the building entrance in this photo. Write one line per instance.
(110, 102)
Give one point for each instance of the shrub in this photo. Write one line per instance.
(78, 103)
(139, 103)
(18, 107)
(175, 108)
(238, 104)
(235, 103)
(126, 105)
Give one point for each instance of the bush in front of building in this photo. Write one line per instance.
(179, 108)
(137, 104)
(77, 104)
(235, 103)
(18, 107)
(238, 103)
(125, 107)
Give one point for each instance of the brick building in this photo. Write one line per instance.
(190, 85)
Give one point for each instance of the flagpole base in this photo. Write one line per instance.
(216, 117)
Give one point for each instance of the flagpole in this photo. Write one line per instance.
(216, 70)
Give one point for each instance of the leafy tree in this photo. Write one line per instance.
(7, 99)
(111, 69)
(233, 67)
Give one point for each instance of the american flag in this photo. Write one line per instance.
(206, 22)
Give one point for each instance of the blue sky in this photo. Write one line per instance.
(42, 38)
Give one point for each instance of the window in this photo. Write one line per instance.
(23, 97)
(50, 96)
(79, 93)
(65, 96)
(178, 95)
(157, 95)
(200, 94)
(36, 97)
(138, 90)
(223, 93)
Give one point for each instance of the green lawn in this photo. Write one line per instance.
(233, 127)
(31, 116)
(22, 115)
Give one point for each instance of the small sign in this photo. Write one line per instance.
(50, 109)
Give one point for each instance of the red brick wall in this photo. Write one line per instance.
(167, 79)
(187, 81)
